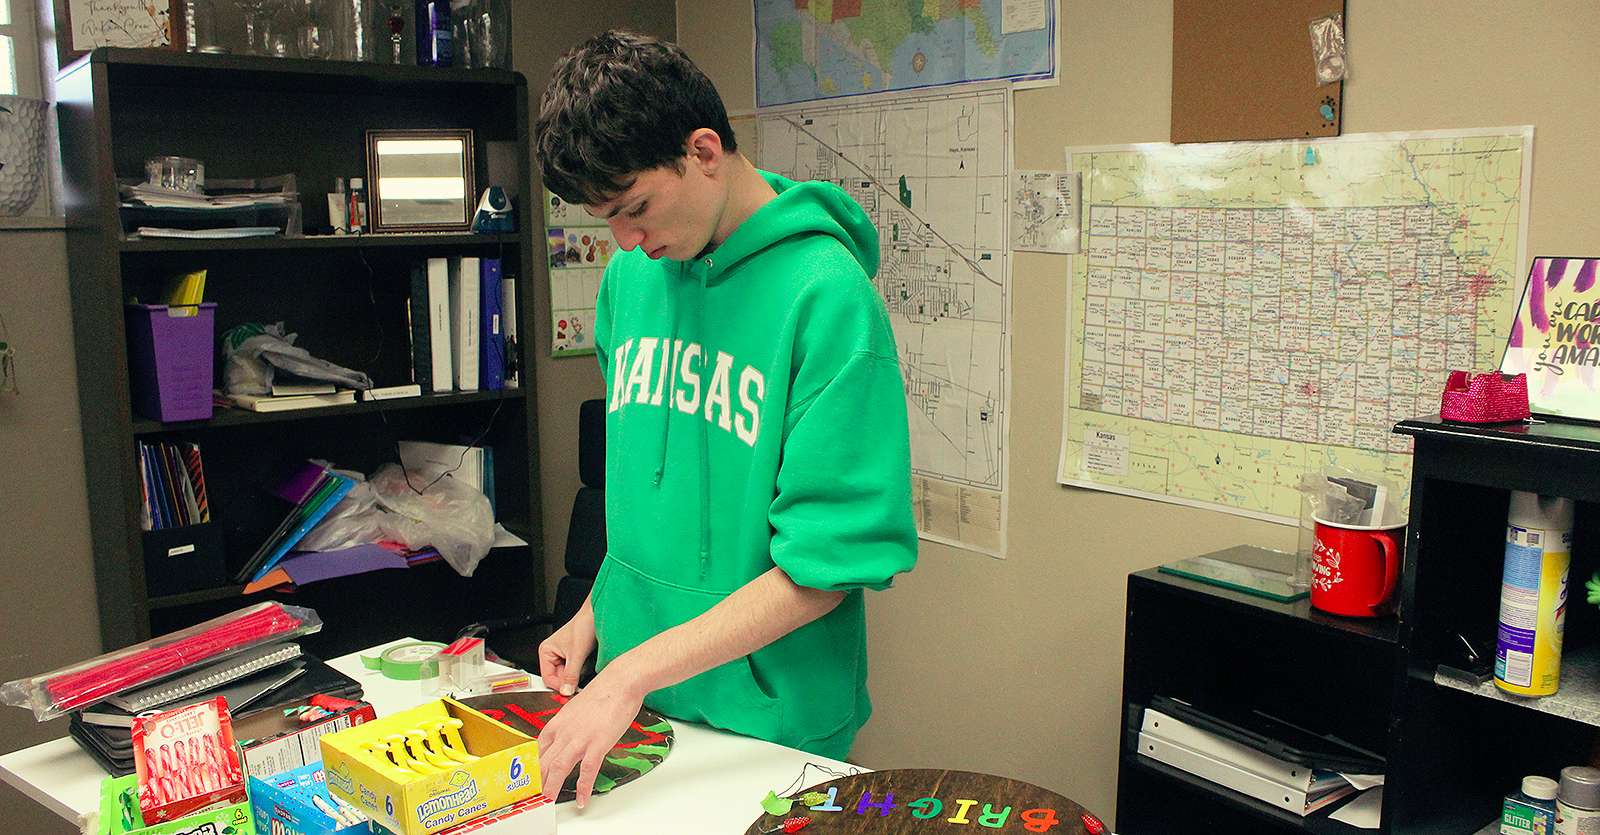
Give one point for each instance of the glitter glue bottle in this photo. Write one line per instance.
(1533, 594)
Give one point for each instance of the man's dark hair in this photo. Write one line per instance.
(619, 104)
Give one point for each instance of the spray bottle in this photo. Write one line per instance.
(1533, 594)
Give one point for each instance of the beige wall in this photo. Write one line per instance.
(47, 607)
(1014, 667)
(565, 383)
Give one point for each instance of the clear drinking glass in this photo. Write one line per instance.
(481, 32)
(175, 173)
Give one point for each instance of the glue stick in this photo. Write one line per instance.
(1533, 594)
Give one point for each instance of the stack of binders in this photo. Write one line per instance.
(1300, 787)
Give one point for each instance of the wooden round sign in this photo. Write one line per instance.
(912, 801)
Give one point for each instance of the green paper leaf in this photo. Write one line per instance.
(775, 805)
(639, 764)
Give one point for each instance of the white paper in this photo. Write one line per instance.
(1363, 781)
(1044, 211)
(125, 23)
(506, 539)
(1022, 15)
(932, 170)
(1105, 452)
(1363, 812)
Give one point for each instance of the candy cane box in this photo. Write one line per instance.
(186, 761)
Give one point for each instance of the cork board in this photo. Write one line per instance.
(1243, 69)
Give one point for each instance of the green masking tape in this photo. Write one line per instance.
(405, 662)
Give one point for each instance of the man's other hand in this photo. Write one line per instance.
(562, 655)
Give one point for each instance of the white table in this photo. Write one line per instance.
(712, 782)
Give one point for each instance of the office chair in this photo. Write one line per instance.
(516, 640)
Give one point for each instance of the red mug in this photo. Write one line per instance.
(1354, 568)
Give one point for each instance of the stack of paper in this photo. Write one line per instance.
(283, 403)
(472, 465)
(161, 198)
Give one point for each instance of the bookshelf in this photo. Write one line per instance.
(346, 296)
(1454, 749)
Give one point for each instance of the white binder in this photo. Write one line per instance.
(439, 324)
(1289, 786)
(465, 284)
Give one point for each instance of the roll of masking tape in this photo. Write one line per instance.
(406, 662)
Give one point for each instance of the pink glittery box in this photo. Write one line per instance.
(1484, 398)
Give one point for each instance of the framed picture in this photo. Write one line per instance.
(82, 25)
(420, 180)
(1555, 338)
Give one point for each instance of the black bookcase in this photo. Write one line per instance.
(1454, 750)
(346, 297)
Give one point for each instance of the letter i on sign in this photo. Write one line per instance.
(829, 805)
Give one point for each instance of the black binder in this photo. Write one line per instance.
(1277, 737)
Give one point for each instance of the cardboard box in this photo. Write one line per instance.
(276, 740)
(418, 802)
(534, 816)
(118, 806)
(283, 805)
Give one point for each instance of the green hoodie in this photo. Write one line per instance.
(756, 417)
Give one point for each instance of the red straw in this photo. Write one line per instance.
(84, 687)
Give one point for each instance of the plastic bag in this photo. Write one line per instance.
(450, 515)
(1345, 497)
(253, 353)
(51, 694)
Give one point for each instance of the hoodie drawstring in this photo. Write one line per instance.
(669, 388)
(670, 374)
(705, 457)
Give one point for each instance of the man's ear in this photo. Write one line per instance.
(704, 148)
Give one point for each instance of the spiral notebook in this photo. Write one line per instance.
(205, 678)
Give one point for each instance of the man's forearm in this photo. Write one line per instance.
(758, 613)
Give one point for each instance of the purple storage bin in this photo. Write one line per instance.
(169, 360)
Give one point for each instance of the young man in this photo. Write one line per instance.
(757, 451)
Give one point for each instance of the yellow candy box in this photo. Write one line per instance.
(432, 767)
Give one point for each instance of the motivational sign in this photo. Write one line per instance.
(1555, 339)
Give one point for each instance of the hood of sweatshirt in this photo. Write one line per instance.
(800, 209)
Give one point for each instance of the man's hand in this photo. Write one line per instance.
(583, 732)
(587, 727)
(562, 655)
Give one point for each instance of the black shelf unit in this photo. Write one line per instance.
(243, 417)
(1453, 750)
(1217, 647)
(369, 241)
(344, 295)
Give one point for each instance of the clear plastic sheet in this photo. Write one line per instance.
(84, 683)
(1327, 48)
